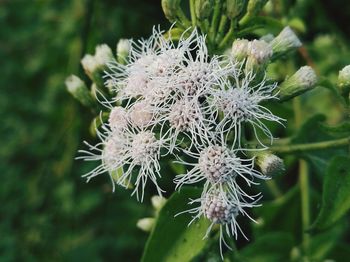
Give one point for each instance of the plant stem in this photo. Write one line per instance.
(183, 18)
(229, 36)
(215, 20)
(303, 182)
(298, 148)
(305, 202)
(273, 187)
(193, 13)
(221, 29)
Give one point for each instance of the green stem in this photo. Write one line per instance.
(298, 148)
(183, 18)
(229, 36)
(274, 189)
(305, 202)
(193, 13)
(215, 20)
(221, 29)
(303, 181)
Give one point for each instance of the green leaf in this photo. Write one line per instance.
(270, 247)
(313, 131)
(336, 197)
(258, 22)
(322, 244)
(340, 130)
(171, 238)
(270, 214)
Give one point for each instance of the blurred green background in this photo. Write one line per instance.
(47, 211)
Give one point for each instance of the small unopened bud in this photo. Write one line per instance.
(234, 8)
(239, 49)
(259, 53)
(286, 41)
(269, 164)
(158, 202)
(89, 64)
(123, 49)
(79, 91)
(344, 80)
(259, 50)
(96, 64)
(103, 55)
(203, 8)
(303, 80)
(145, 224)
(170, 9)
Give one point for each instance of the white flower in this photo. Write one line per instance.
(133, 153)
(149, 61)
(240, 102)
(220, 167)
(183, 118)
(140, 113)
(220, 209)
(118, 118)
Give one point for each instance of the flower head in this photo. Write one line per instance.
(240, 102)
(135, 154)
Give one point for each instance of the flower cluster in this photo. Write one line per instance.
(175, 99)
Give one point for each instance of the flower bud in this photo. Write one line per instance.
(269, 164)
(103, 55)
(145, 224)
(79, 91)
(303, 80)
(286, 41)
(158, 202)
(234, 8)
(259, 53)
(239, 49)
(123, 49)
(203, 8)
(344, 80)
(94, 65)
(89, 64)
(170, 9)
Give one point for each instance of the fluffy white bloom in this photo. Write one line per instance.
(135, 154)
(220, 209)
(118, 118)
(220, 167)
(240, 102)
(149, 61)
(141, 114)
